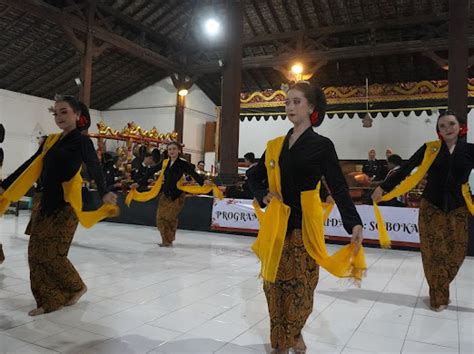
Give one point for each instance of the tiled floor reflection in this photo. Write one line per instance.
(203, 296)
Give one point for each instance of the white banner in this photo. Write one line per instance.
(236, 214)
(401, 223)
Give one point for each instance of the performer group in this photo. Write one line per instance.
(286, 181)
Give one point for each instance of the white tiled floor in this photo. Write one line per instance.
(203, 296)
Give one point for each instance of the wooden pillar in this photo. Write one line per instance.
(179, 117)
(180, 82)
(229, 124)
(86, 61)
(458, 57)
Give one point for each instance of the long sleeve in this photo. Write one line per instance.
(340, 191)
(10, 179)
(89, 157)
(190, 171)
(152, 170)
(257, 180)
(403, 172)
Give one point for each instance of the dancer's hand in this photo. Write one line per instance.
(357, 238)
(267, 199)
(134, 186)
(110, 198)
(377, 194)
(330, 200)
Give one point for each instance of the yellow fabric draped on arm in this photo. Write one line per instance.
(155, 190)
(72, 190)
(73, 195)
(432, 150)
(152, 193)
(274, 221)
(197, 189)
(24, 182)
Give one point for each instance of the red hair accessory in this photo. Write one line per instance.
(82, 122)
(314, 117)
(463, 130)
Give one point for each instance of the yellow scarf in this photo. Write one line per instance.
(432, 150)
(72, 190)
(274, 221)
(155, 190)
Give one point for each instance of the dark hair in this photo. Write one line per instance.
(315, 97)
(78, 107)
(156, 155)
(201, 162)
(148, 154)
(178, 145)
(395, 159)
(250, 156)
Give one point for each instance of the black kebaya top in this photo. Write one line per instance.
(60, 164)
(302, 166)
(445, 177)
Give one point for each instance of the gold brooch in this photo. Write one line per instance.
(272, 163)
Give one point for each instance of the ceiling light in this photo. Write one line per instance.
(212, 27)
(297, 69)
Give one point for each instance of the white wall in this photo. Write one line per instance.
(155, 106)
(25, 119)
(403, 134)
(199, 110)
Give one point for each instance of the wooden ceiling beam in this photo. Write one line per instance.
(56, 71)
(335, 29)
(290, 17)
(249, 21)
(275, 16)
(260, 15)
(135, 25)
(405, 47)
(50, 13)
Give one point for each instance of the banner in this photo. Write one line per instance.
(234, 214)
(402, 223)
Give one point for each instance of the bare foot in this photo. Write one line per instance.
(36, 312)
(76, 297)
(300, 347)
(440, 308)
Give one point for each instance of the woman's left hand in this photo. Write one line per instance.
(110, 198)
(330, 200)
(357, 238)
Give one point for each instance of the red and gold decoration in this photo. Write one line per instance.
(411, 91)
(132, 134)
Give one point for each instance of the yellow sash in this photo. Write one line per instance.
(72, 190)
(274, 221)
(432, 150)
(155, 190)
(152, 193)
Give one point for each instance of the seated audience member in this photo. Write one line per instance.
(113, 171)
(200, 168)
(373, 167)
(141, 175)
(394, 162)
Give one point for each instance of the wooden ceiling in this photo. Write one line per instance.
(139, 42)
